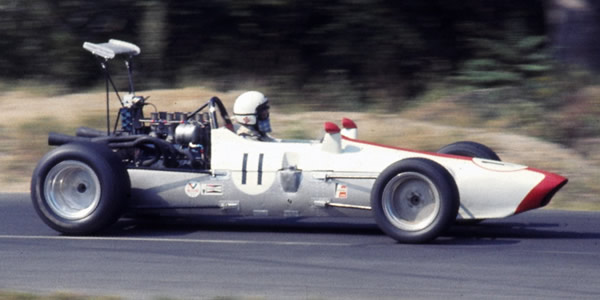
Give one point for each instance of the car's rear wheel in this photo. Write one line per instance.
(414, 200)
(469, 149)
(80, 188)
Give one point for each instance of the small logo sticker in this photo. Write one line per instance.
(193, 189)
(212, 189)
(341, 191)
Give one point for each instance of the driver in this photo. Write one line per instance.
(251, 112)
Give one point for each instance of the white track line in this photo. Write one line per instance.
(168, 240)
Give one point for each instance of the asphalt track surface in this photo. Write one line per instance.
(544, 254)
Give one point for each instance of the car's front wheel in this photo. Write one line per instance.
(80, 188)
(414, 200)
(470, 149)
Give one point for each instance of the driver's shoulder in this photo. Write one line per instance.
(247, 132)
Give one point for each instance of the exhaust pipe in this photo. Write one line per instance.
(89, 132)
(57, 139)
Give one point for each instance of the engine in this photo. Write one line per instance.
(164, 140)
(189, 136)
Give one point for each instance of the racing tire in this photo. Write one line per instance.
(470, 149)
(414, 200)
(80, 188)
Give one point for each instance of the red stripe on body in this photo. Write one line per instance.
(408, 150)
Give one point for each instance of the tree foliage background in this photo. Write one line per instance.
(355, 51)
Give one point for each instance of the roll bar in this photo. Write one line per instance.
(107, 51)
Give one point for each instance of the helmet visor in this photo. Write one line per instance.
(262, 111)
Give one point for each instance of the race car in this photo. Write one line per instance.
(193, 163)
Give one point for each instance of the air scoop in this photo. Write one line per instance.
(350, 130)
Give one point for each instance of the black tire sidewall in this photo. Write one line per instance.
(448, 192)
(112, 176)
(470, 149)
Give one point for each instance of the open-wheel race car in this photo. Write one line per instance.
(194, 163)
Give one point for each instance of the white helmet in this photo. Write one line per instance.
(248, 106)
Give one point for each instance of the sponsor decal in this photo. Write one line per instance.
(193, 189)
(341, 191)
(212, 189)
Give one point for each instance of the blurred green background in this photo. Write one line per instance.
(521, 67)
(534, 58)
(370, 47)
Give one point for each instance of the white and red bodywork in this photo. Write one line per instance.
(342, 170)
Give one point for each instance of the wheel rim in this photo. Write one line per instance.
(411, 201)
(72, 190)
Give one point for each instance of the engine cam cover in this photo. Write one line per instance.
(188, 133)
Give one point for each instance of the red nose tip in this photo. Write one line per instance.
(541, 194)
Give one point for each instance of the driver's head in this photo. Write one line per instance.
(252, 109)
